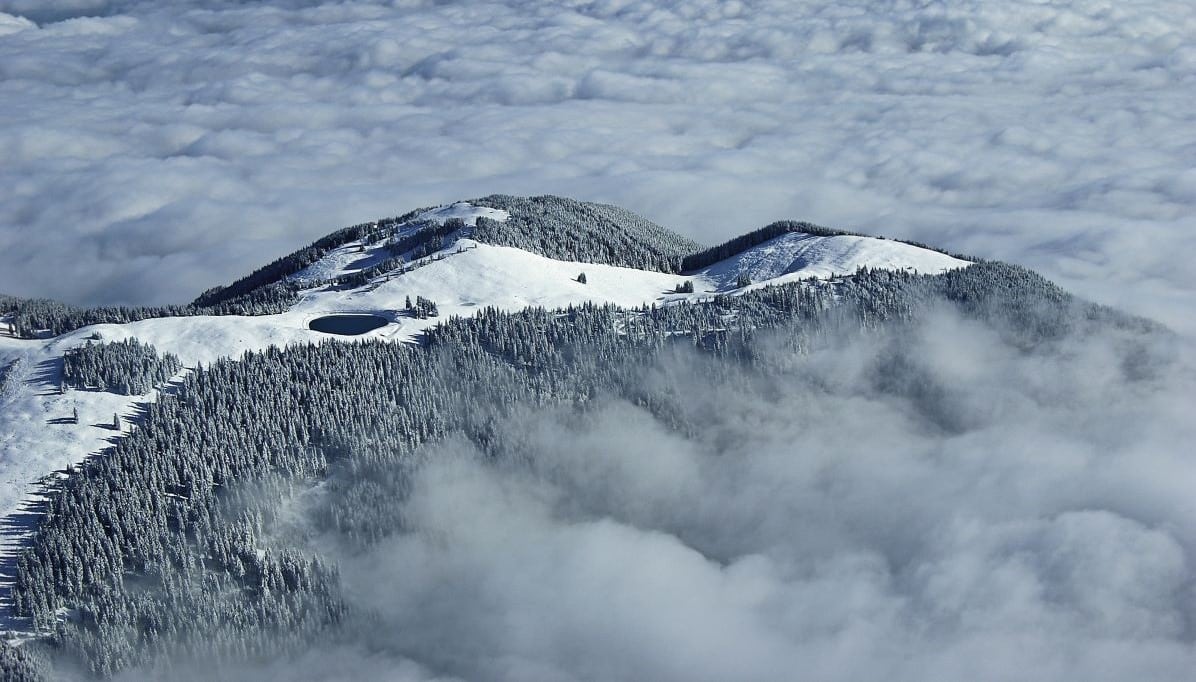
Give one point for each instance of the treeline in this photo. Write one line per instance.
(733, 247)
(126, 367)
(34, 317)
(554, 227)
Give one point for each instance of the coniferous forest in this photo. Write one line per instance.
(178, 544)
(127, 367)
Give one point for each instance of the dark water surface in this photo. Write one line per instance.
(347, 325)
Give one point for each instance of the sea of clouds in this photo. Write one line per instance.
(149, 150)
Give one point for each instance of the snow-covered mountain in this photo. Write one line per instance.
(224, 480)
(462, 275)
(521, 277)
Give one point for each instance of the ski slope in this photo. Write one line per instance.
(37, 438)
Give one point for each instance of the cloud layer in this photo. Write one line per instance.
(152, 150)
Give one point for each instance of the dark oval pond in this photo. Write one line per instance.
(347, 325)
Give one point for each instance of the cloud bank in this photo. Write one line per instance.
(152, 150)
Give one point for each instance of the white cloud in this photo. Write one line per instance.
(1055, 135)
(12, 24)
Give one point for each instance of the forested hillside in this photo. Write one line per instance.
(180, 543)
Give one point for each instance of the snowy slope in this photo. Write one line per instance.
(36, 439)
(470, 276)
(796, 256)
